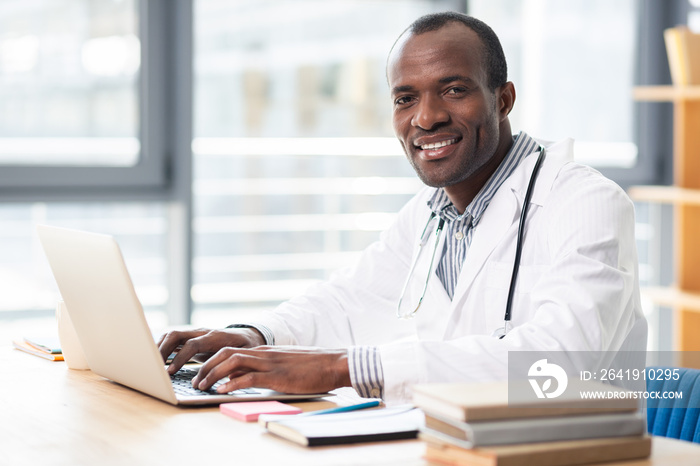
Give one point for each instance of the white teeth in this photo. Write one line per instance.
(437, 145)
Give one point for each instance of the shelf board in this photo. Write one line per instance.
(673, 297)
(666, 93)
(665, 194)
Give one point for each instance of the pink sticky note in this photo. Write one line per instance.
(250, 410)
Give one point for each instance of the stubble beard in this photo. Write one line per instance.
(467, 166)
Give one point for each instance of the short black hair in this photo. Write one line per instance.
(494, 58)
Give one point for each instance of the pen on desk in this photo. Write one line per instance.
(342, 409)
(265, 418)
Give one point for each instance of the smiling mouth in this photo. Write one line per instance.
(437, 145)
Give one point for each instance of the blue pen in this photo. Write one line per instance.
(265, 418)
(342, 409)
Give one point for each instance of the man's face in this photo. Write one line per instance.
(444, 114)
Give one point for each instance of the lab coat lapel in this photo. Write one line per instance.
(495, 222)
(503, 212)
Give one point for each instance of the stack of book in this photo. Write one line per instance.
(44, 347)
(475, 424)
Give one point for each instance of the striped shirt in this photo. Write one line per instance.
(459, 229)
(364, 362)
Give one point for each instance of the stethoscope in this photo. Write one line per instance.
(499, 332)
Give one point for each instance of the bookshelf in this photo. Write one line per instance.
(684, 195)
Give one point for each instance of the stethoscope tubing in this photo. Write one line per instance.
(519, 242)
(438, 231)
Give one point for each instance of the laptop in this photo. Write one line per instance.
(111, 326)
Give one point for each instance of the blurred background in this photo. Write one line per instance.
(240, 150)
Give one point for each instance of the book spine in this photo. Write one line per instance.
(535, 430)
(574, 430)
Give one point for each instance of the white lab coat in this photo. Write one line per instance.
(577, 289)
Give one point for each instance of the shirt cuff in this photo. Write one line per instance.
(266, 332)
(366, 373)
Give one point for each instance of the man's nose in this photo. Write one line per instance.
(430, 113)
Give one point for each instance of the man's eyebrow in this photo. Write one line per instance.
(400, 89)
(453, 78)
(445, 80)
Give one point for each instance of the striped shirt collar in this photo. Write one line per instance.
(523, 145)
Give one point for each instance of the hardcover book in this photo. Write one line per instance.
(350, 427)
(469, 402)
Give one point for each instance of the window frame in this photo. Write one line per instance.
(152, 172)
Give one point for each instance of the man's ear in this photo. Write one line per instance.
(506, 99)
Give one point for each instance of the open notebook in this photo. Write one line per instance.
(109, 320)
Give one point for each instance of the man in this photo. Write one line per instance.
(576, 290)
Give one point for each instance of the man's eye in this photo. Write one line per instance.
(456, 90)
(402, 100)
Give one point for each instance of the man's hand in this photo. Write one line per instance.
(285, 369)
(201, 344)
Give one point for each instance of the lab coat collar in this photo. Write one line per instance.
(556, 155)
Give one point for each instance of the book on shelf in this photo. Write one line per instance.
(683, 50)
(469, 402)
(560, 453)
(27, 348)
(544, 429)
(402, 422)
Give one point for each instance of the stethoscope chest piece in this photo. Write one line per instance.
(500, 332)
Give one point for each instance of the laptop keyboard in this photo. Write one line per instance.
(182, 384)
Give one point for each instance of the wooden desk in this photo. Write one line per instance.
(50, 415)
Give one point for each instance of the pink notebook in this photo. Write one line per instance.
(250, 410)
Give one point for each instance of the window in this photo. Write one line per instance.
(76, 102)
(294, 163)
(69, 71)
(573, 68)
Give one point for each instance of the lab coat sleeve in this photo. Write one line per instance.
(585, 302)
(357, 305)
